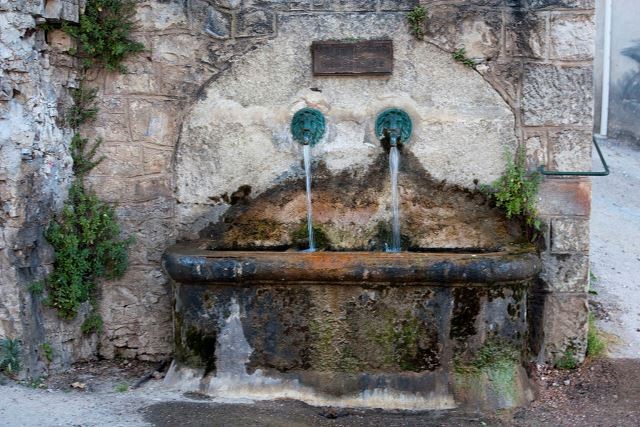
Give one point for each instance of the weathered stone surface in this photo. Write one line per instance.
(352, 211)
(154, 121)
(395, 5)
(565, 272)
(561, 4)
(557, 95)
(569, 235)
(218, 24)
(558, 327)
(160, 15)
(175, 49)
(570, 150)
(239, 134)
(35, 169)
(506, 79)
(572, 37)
(345, 5)
(228, 4)
(60, 40)
(127, 305)
(525, 34)
(562, 196)
(465, 126)
(62, 10)
(343, 339)
(455, 26)
(536, 146)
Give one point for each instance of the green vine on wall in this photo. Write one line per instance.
(86, 236)
(103, 34)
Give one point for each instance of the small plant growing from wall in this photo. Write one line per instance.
(515, 191)
(10, 356)
(103, 34)
(460, 55)
(596, 344)
(417, 19)
(86, 236)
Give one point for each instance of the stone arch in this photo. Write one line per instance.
(237, 134)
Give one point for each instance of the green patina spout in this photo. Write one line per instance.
(394, 126)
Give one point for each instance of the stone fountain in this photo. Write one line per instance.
(438, 322)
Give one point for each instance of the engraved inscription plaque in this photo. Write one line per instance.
(336, 58)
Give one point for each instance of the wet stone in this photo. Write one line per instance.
(218, 24)
(255, 22)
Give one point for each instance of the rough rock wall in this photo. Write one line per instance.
(35, 171)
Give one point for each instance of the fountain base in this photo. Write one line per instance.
(367, 329)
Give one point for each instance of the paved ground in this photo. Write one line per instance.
(615, 247)
(603, 393)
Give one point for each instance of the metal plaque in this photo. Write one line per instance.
(370, 57)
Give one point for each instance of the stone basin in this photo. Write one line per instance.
(409, 330)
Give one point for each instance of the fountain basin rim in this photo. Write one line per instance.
(189, 263)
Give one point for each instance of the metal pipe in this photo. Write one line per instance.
(606, 69)
(605, 172)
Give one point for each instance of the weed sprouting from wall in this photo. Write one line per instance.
(417, 19)
(103, 34)
(515, 191)
(10, 356)
(460, 55)
(86, 236)
(568, 360)
(596, 344)
(47, 352)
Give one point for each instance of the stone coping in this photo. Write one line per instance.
(188, 263)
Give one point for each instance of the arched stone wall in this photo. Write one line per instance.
(238, 134)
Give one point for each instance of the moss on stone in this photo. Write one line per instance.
(383, 237)
(404, 342)
(495, 363)
(254, 232)
(300, 236)
(197, 349)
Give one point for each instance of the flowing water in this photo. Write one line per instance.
(307, 171)
(394, 164)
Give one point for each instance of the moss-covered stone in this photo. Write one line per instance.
(300, 236)
(495, 365)
(196, 348)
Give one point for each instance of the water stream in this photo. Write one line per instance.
(307, 171)
(394, 164)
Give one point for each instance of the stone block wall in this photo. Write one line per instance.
(537, 54)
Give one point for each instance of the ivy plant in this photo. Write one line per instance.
(104, 34)
(85, 235)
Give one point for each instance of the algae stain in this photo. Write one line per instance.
(495, 364)
(200, 349)
(466, 306)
